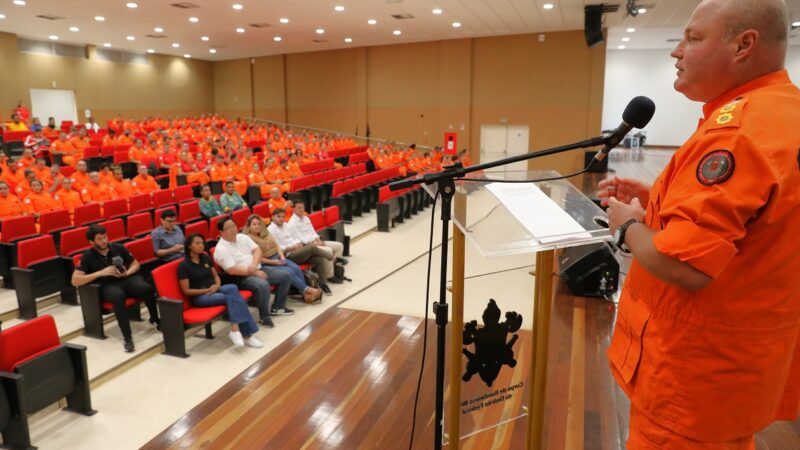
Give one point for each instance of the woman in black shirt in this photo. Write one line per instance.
(200, 282)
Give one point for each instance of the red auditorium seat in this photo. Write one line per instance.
(157, 215)
(183, 194)
(13, 231)
(115, 230)
(142, 250)
(54, 223)
(141, 203)
(40, 271)
(74, 241)
(262, 209)
(37, 370)
(140, 224)
(88, 214)
(213, 232)
(189, 212)
(240, 217)
(200, 228)
(117, 208)
(162, 199)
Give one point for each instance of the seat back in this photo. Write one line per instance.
(87, 214)
(35, 250)
(141, 249)
(115, 229)
(91, 152)
(54, 220)
(162, 198)
(74, 241)
(317, 220)
(183, 194)
(157, 216)
(18, 227)
(213, 232)
(189, 211)
(240, 217)
(262, 209)
(139, 224)
(121, 157)
(200, 227)
(166, 280)
(115, 208)
(140, 202)
(384, 194)
(28, 339)
(332, 216)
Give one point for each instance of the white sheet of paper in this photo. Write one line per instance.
(537, 212)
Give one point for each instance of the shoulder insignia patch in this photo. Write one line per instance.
(716, 167)
(729, 115)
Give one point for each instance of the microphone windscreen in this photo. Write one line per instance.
(639, 112)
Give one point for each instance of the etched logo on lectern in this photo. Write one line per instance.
(492, 349)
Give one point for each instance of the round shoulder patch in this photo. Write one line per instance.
(716, 167)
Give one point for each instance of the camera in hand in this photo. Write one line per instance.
(118, 264)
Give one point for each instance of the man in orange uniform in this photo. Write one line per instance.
(10, 205)
(122, 188)
(42, 172)
(144, 182)
(706, 339)
(186, 166)
(96, 191)
(39, 201)
(68, 197)
(65, 148)
(27, 160)
(80, 177)
(276, 201)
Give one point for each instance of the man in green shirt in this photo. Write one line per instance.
(209, 207)
(231, 200)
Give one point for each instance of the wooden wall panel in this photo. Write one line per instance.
(232, 92)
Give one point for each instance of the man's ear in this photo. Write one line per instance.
(745, 44)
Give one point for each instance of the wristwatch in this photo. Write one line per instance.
(619, 235)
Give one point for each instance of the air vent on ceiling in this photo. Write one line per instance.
(49, 17)
(402, 16)
(184, 5)
(394, 1)
(674, 40)
(319, 41)
(260, 25)
(155, 36)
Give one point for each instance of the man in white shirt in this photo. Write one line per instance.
(305, 232)
(320, 260)
(239, 256)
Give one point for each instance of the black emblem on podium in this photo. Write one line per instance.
(492, 351)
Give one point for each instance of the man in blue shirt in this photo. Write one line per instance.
(168, 238)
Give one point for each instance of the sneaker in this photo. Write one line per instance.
(335, 280)
(267, 322)
(155, 323)
(236, 338)
(129, 347)
(326, 289)
(281, 312)
(253, 341)
(342, 261)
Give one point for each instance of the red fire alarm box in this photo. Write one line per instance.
(450, 143)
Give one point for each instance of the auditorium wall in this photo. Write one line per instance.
(417, 92)
(167, 86)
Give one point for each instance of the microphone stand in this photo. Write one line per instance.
(445, 181)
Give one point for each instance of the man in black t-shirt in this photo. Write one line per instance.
(114, 268)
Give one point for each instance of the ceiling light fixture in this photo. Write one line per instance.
(284, 20)
(626, 39)
(74, 29)
(397, 32)
(2, 16)
(320, 31)
(106, 44)
(187, 56)
(437, 11)
(240, 30)
(456, 24)
(132, 5)
(212, 51)
(194, 19)
(19, 2)
(348, 40)
(621, 47)
(130, 38)
(151, 51)
(277, 39)
(548, 6)
(796, 24)
(53, 37)
(175, 45)
(99, 18)
(631, 30)
(158, 30)
(338, 8)
(642, 10)
(204, 38)
(238, 6)
(372, 21)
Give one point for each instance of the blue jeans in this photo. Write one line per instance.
(228, 294)
(294, 271)
(261, 290)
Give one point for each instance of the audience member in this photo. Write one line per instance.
(209, 206)
(294, 250)
(168, 241)
(231, 200)
(304, 229)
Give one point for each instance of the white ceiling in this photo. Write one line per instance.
(218, 20)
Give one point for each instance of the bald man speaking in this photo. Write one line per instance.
(706, 340)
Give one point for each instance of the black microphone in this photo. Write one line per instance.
(636, 115)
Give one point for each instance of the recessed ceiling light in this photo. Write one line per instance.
(130, 38)
(158, 30)
(284, 20)
(796, 24)
(238, 6)
(456, 24)
(74, 29)
(106, 45)
(132, 5)
(548, 6)
(621, 47)
(53, 37)
(212, 50)
(99, 18)
(338, 8)
(175, 45)
(348, 40)
(631, 30)
(437, 11)
(2, 16)
(151, 51)
(187, 56)
(194, 19)
(397, 32)
(320, 31)
(626, 39)
(642, 10)
(204, 38)
(240, 30)
(277, 39)
(372, 21)
(19, 2)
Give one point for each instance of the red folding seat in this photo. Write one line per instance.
(139, 225)
(140, 203)
(13, 230)
(189, 212)
(88, 214)
(157, 215)
(200, 228)
(121, 157)
(67, 170)
(74, 242)
(183, 194)
(115, 229)
(117, 208)
(54, 223)
(143, 251)
(262, 209)
(37, 370)
(91, 152)
(162, 198)
(240, 217)
(213, 231)
(40, 272)
(317, 220)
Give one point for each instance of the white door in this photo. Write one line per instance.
(56, 103)
(503, 141)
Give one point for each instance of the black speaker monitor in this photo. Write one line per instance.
(590, 270)
(593, 24)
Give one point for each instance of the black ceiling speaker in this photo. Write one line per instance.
(593, 22)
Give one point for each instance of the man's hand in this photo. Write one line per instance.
(261, 274)
(619, 212)
(177, 248)
(214, 288)
(280, 262)
(109, 271)
(252, 268)
(624, 190)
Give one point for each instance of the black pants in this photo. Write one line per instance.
(133, 286)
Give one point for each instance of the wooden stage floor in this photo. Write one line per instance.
(347, 381)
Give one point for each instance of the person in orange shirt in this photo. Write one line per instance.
(143, 182)
(122, 187)
(39, 201)
(110, 140)
(23, 188)
(466, 161)
(276, 175)
(65, 148)
(42, 172)
(27, 160)
(95, 191)
(67, 197)
(10, 204)
(187, 167)
(276, 200)
(707, 337)
(56, 177)
(80, 177)
(106, 175)
(256, 178)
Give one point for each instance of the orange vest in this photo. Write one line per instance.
(69, 200)
(11, 206)
(714, 364)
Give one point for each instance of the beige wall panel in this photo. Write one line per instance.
(232, 91)
(268, 88)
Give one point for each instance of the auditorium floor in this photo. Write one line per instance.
(342, 374)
